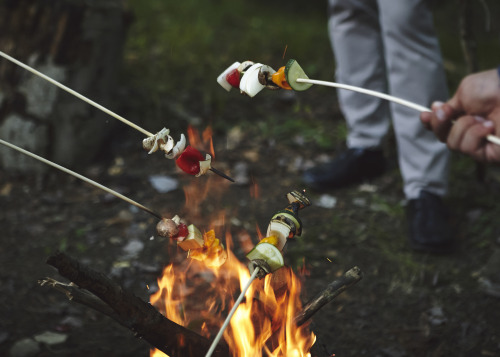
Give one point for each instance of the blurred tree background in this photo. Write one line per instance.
(176, 50)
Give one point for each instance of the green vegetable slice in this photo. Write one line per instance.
(293, 71)
(269, 253)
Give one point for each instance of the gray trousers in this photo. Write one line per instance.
(390, 46)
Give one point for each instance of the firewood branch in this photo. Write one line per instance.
(333, 290)
(95, 290)
(141, 317)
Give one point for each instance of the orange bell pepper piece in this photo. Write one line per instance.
(279, 79)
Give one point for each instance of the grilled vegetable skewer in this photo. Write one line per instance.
(285, 224)
(293, 77)
(267, 256)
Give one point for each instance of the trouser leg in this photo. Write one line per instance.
(357, 45)
(415, 72)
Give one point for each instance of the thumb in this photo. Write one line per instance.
(456, 104)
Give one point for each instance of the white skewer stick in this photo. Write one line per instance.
(231, 313)
(76, 94)
(491, 138)
(91, 102)
(81, 177)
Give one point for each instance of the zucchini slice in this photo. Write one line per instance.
(269, 253)
(293, 71)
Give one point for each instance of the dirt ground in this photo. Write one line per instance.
(407, 304)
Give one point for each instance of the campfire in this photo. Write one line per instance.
(197, 290)
(198, 287)
(198, 293)
(197, 296)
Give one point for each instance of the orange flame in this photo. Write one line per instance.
(254, 190)
(203, 142)
(198, 294)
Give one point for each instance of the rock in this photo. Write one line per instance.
(436, 316)
(326, 201)
(27, 347)
(21, 131)
(360, 202)
(51, 338)
(367, 188)
(239, 173)
(133, 248)
(40, 94)
(234, 137)
(163, 184)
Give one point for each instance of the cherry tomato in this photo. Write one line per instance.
(189, 160)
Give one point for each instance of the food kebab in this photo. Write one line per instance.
(266, 255)
(252, 77)
(204, 247)
(188, 159)
(285, 224)
(200, 246)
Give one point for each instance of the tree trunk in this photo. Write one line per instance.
(78, 43)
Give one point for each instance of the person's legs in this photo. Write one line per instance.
(415, 72)
(357, 45)
(356, 41)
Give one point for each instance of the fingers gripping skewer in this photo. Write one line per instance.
(491, 138)
(81, 177)
(170, 154)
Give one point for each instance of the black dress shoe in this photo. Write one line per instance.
(429, 229)
(352, 166)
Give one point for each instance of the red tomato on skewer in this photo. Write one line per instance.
(183, 232)
(233, 78)
(189, 160)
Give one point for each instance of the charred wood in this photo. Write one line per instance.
(93, 289)
(333, 290)
(128, 310)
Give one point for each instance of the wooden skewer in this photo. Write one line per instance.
(231, 313)
(76, 94)
(91, 102)
(491, 138)
(81, 177)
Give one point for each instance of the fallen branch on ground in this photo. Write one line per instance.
(333, 290)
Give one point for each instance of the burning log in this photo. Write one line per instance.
(127, 309)
(95, 290)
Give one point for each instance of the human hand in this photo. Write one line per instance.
(473, 113)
